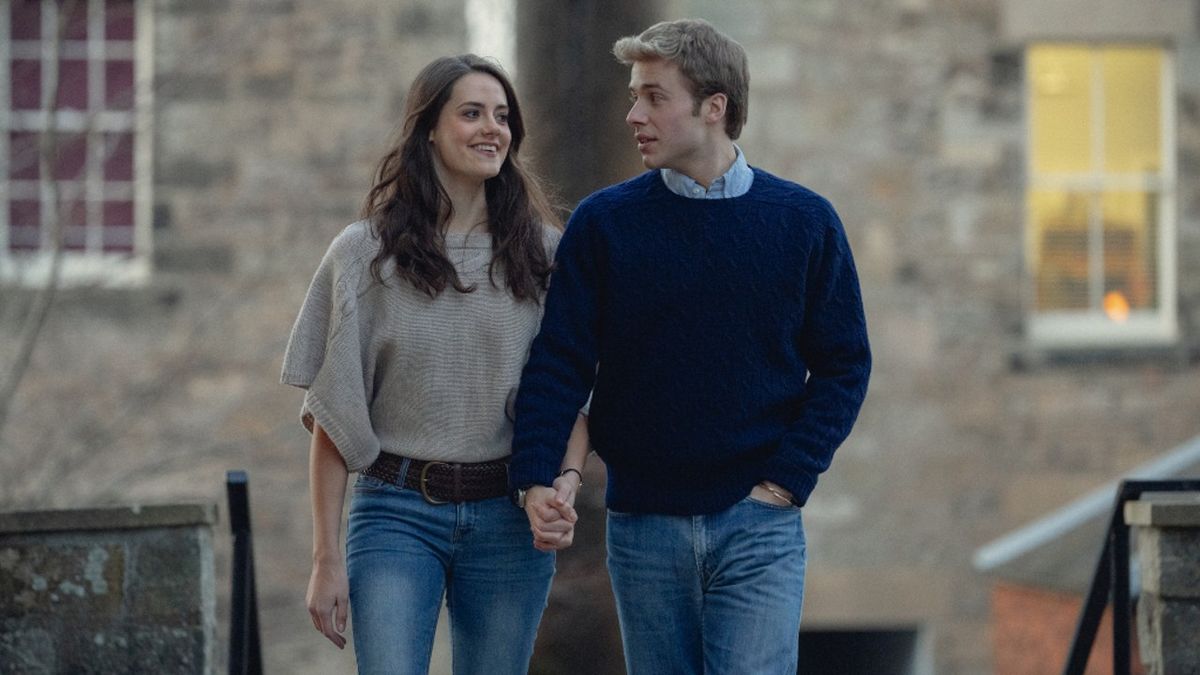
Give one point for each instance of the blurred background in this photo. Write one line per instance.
(1020, 182)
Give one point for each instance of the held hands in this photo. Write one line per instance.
(551, 512)
(328, 600)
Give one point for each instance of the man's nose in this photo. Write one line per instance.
(635, 118)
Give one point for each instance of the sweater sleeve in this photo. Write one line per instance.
(324, 356)
(558, 376)
(833, 342)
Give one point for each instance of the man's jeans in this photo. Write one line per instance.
(714, 594)
(403, 554)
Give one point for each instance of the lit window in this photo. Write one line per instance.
(1100, 232)
(94, 186)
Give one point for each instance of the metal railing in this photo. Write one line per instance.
(1111, 581)
(245, 647)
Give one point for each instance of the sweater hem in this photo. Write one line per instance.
(357, 459)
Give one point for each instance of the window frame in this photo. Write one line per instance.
(1080, 329)
(88, 267)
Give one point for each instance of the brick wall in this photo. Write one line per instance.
(1032, 630)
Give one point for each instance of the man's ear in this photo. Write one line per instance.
(713, 108)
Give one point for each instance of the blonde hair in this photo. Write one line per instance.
(711, 61)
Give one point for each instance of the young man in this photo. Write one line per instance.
(714, 312)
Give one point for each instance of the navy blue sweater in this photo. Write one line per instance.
(730, 338)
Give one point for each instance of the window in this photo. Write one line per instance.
(96, 182)
(1100, 195)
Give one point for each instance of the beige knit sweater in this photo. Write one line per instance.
(388, 368)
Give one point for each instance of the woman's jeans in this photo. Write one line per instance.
(712, 594)
(404, 555)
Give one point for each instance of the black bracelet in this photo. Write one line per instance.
(576, 471)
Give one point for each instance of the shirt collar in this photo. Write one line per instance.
(733, 183)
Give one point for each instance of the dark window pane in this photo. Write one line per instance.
(118, 226)
(23, 156)
(118, 239)
(74, 225)
(74, 238)
(26, 19)
(118, 214)
(118, 20)
(118, 157)
(24, 231)
(72, 157)
(75, 23)
(25, 213)
(73, 84)
(26, 84)
(118, 85)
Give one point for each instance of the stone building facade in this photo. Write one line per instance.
(912, 116)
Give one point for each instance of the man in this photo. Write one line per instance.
(716, 311)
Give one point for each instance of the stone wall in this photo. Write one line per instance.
(1167, 527)
(907, 114)
(269, 116)
(117, 590)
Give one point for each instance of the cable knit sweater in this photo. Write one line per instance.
(730, 341)
(387, 368)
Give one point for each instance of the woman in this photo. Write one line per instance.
(410, 345)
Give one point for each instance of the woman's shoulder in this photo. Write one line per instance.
(353, 248)
(350, 254)
(358, 239)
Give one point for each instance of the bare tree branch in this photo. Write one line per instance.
(39, 311)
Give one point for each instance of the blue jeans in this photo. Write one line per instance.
(715, 594)
(403, 555)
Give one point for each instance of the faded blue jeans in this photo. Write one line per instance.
(404, 555)
(712, 594)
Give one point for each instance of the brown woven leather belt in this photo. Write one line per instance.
(444, 482)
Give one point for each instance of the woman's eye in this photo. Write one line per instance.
(502, 119)
(471, 114)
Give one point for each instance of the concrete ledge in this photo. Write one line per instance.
(113, 518)
(1164, 509)
(108, 590)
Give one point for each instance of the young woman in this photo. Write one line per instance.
(410, 345)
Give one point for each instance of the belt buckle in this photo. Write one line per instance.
(424, 484)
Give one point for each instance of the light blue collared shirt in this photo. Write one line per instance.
(733, 183)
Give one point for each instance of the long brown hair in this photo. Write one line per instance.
(408, 205)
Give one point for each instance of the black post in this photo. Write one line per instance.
(1120, 590)
(1112, 573)
(245, 652)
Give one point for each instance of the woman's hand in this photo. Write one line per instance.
(551, 519)
(566, 487)
(328, 600)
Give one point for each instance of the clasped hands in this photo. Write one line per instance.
(551, 513)
(552, 516)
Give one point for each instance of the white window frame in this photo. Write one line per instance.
(88, 267)
(1092, 328)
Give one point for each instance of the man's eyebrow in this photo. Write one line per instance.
(648, 85)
